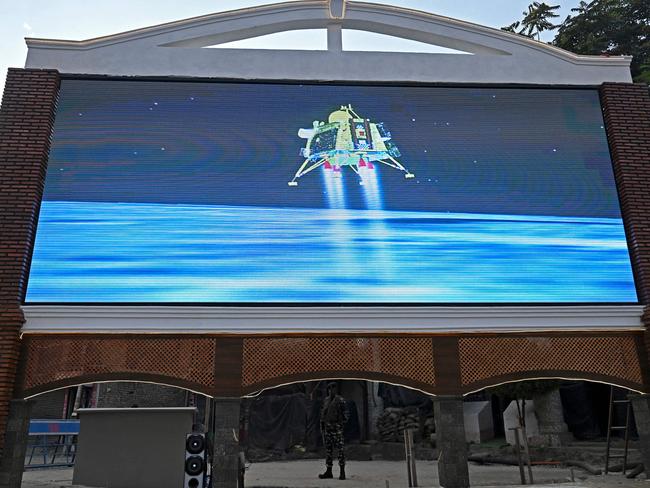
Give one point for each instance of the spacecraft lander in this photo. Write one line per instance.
(347, 140)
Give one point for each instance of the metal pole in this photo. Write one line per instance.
(522, 475)
(527, 454)
(414, 474)
(408, 457)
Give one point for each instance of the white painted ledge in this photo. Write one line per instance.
(319, 319)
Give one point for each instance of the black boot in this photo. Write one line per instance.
(342, 475)
(327, 474)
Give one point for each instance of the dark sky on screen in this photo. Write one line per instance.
(486, 150)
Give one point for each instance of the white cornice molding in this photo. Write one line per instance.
(319, 319)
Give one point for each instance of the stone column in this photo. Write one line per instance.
(16, 436)
(375, 408)
(553, 431)
(225, 459)
(641, 408)
(450, 440)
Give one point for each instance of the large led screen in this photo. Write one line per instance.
(198, 192)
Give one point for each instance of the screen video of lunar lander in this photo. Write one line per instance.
(238, 192)
(348, 141)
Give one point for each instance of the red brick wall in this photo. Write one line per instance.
(26, 118)
(626, 108)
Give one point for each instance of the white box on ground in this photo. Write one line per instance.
(132, 447)
(478, 421)
(511, 419)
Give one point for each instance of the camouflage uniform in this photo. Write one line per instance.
(334, 415)
(334, 440)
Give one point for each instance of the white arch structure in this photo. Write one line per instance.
(175, 49)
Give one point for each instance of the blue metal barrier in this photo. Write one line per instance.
(53, 441)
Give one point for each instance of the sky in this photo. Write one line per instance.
(83, 19)
(474, 150)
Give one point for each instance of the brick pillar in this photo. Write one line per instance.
(225, 461)
(227, 392)
(26, 120)
(450, 439)
(12, 465)
(626, 111)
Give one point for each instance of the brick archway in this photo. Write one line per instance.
(237, 366)
(56, 361)
(607, 358)
(272, 361)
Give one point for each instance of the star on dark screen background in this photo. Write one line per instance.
(485, 150)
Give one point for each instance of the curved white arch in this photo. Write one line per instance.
(175, 49)
(76, 383)
(556, 377)
(361, 377)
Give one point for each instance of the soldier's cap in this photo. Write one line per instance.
(331, 384)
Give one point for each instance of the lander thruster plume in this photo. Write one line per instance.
(347, 140)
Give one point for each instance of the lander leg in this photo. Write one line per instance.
(396, 164)
(303, 170)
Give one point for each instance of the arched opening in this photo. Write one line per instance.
(287, 431)
(368, 41)
(299, 39)
(582, 428)
(352, 40)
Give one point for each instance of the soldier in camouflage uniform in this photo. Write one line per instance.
(333, 417)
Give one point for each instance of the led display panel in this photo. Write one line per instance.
(235, 192)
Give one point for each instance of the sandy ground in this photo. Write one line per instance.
(373, 474)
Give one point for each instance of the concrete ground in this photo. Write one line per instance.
(373, 474)
(304, 474)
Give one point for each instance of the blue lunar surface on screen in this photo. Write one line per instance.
(179, 192)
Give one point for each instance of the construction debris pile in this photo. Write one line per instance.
(393, 421)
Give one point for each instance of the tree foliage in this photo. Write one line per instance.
(599, 27)
(610, 27)
(525, 389)
(536, 20)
